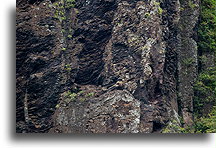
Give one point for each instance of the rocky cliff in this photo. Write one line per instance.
(105, 66)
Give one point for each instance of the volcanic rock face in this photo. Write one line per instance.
(114, 112)
(188, 61)
(104, 66)
(38, 67)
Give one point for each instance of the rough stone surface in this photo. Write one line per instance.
(38, 65)
(187, 55)
(104, 66)
(113, 112)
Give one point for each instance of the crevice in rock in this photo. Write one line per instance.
(157, 127)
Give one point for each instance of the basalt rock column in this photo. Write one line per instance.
(187, 57)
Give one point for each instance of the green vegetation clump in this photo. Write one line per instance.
(206, 124)
(59, 11)
(160, 10)
(69, 97)
(173, 127)
(156, 3)
(147, 15)
(188, 61)
(64, 49)
(90, 94)
(192, 5)
(60, 8)
(205, 102)
(57, 106)
(76, 96)
(205, 89)
(206, 29)
(68, 67)
(62, 13)
(69, 36)
(69, 4)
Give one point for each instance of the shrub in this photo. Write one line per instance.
(204, 89)
(206, 29)
(206, 124)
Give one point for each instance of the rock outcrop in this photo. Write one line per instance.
(187, 58)
(105, 66)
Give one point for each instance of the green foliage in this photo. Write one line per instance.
(63, 30)
(156, 3)
(188, 61)
(60, 8)
(77, 96)
(206, 124)
(57, 106)
(69, 96)
(90, 94)
(80, 92)
(203, 59)
(182, 8)
(192, 5)
(64, 49)
(69, 4)
(160, 10)
(147, 15)
(68, 67)
(69, 36)
(205, 90)
(76, 11)
(205, 87)
(206, 29)
(173, 127)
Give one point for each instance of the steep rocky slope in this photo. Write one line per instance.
(105, 66)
